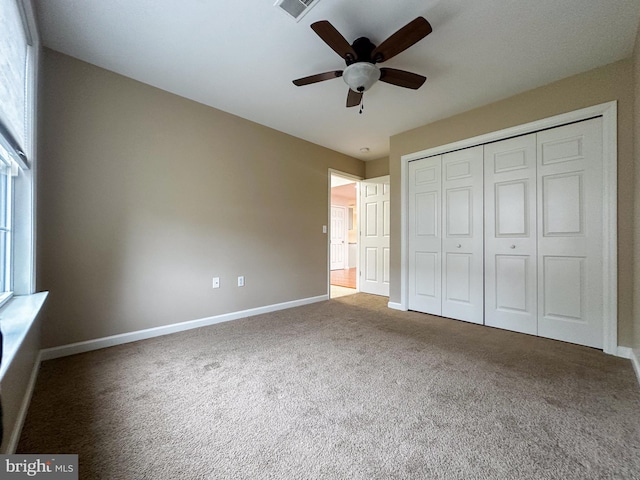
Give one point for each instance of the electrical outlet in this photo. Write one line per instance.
(216, 282)
(241, 281)
(324, 229)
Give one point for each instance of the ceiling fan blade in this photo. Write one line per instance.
(320, 77)
(408, 35)
(401, 78)
(354, 98)
(334, 39)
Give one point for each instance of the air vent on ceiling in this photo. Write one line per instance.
(296, 8)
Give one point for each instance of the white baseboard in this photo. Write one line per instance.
(395, 306)
(24, 407)
(623, 352)
(633, 355)
(87, 346)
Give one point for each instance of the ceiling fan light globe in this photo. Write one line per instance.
(361, 76)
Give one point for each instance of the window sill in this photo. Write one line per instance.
(16, 319)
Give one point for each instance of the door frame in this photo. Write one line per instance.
(357, 179)
(608, 112)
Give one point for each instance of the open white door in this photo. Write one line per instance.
(374, 235)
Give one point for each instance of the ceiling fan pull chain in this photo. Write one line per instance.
(361, 104)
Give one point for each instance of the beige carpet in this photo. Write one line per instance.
(344, 389)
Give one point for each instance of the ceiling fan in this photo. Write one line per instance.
(362, 56)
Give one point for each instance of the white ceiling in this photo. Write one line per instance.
(241, 56)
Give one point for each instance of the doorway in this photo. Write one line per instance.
(343, 234)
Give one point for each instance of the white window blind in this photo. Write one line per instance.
(13, 76)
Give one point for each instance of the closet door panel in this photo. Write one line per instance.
(563, 204)
(510, 234)
(512, 283)
(570, 236)
(427, 278)
(462, 241)
(425, 248)
(458, 275)
(512, 207)
(564, 288)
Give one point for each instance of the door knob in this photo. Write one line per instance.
(458, 246)
(512, 246)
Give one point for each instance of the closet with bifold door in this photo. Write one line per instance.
(510, 234)
(445, 196)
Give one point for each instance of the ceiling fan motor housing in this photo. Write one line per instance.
(360, 76)
(363, 48)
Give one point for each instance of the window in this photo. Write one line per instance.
(18, 60)
(6, 224)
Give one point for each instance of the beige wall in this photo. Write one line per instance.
(377, 168)
(636, 303)
(612, 82)
(144, 196)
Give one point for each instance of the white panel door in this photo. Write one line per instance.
(425, 238)
(570, 235)
(462, 235)
(510, 234)
(338, 246)
(375, 231)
